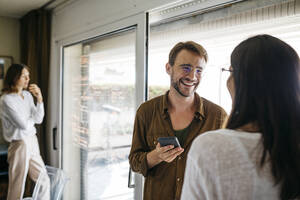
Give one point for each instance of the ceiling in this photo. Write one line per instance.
(18, 8)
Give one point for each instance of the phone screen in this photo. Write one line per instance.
(164, 141)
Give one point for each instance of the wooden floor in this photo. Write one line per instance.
(3, 187)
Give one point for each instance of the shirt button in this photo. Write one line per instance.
(179, 157)
(178, 179)
(154, 142)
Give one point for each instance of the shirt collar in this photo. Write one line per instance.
(199, 113)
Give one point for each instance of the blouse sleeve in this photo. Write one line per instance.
(37, 111)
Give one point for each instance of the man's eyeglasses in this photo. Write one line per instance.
(227, 70)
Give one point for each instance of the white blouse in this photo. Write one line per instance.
(19, 115)
(224, 165)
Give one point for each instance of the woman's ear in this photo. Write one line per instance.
(230, 86)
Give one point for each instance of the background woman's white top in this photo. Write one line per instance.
(19, 115)
(224, 164)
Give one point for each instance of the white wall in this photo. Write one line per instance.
(9, 37)
(84, 15)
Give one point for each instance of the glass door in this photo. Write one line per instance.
(99, 103)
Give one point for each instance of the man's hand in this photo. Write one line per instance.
(36, 91)
(166, 153)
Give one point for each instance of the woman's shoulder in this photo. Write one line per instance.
(11, 97)
(223, 135)
(5, 97)
(215, 137)
(223, 142)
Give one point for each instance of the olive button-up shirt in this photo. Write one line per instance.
(164, 181)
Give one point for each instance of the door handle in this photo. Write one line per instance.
(130, 185)
(54, 135)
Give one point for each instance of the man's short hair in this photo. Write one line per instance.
(190, 46)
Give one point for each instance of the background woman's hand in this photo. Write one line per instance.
(36, 91)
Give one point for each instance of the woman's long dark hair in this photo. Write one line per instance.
(266, 73)
(12, 75)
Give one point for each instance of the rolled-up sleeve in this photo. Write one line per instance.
(38, 113)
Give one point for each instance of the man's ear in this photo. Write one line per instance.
(168, 68)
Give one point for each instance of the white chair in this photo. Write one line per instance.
(58, 179)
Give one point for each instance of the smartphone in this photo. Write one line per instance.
(172, 140)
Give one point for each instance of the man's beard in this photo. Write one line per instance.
(175, 85)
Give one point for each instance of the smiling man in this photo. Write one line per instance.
(181, 112)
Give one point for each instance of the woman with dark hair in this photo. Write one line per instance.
(18, 115)
(257, 156)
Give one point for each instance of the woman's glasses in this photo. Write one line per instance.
(227, 70)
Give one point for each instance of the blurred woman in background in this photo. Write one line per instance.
(18, 115)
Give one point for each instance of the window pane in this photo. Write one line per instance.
(98, 115)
